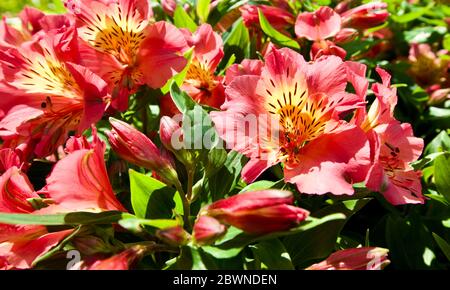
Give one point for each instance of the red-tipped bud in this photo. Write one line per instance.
(277, 17)
(134, 147)
(207, 230)
(169, 6)
(90, 245)
(121, 261)
(365, 16)
(175, 236)
(258, 212)
(367, 258)
(345, 35)
(171, 135)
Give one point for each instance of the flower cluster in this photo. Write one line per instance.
(100, 106)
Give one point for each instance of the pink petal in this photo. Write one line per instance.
(318, 25)
(331, 163)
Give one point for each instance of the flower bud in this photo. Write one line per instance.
(175, 236)
(439, 96)
(134, 147)
(365, 16)
(207, 230)
(121, 261)
(171, 136)
(258, 212)
(345, 35)
(367, 258)
(90, 245)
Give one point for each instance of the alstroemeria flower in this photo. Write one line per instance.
(79, 182)
(427, 67)
(125, 47)
(20, 245)
(257, 212)
(297, 108)
(366, 258)
(393, 145)
(200, 82)
(47, 93)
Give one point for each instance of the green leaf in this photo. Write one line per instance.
(152, 199)
(220, 184)
(198, 130)
(442, 174)
(134, 224)
(445, 247)
(258, 185)
(320, 241)
(446, 41)
(409, 241)
(203, 9)
(74, 218)
(192, 258)
(440, 143)
(277, 37)
(182, 20)
(424, 34)
(412, 15)
(237, 42)
(273, 255)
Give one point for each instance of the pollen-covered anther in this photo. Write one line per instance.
(302, 117)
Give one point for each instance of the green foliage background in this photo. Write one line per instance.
(12, 7)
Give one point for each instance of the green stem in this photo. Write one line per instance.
(186, 206)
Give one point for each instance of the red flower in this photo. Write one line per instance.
(296, 108)
(47, 94)
(79, 182)
(258, 212)
(20, 245)
(124, 46)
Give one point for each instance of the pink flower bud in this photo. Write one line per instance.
(367, 258)
(171, 135)
(170, 132)
(121, 261)
(345, 35)
(134, 147)
(175, 236)
(90, 245)
(169, 6)
(207, 230)
(365, 16)
(439, 96)
(258, 212)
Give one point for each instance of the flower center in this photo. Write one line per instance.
(302, 117)
(200, 76)
(119, 34)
